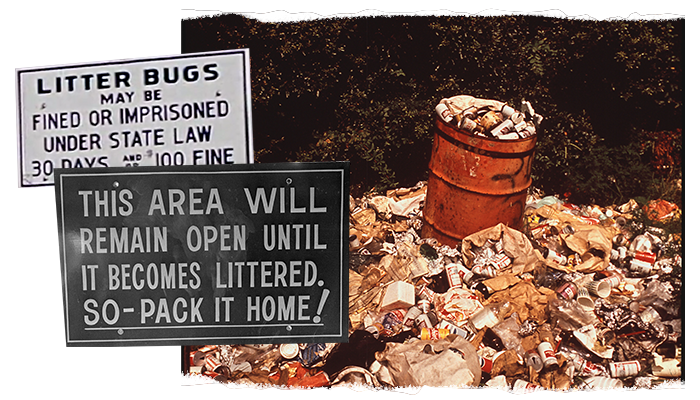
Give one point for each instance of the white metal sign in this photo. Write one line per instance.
(192, 109)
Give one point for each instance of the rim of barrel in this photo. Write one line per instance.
(515, 146)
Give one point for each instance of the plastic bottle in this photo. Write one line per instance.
(489, 316)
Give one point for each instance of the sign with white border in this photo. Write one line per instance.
(245, 253)
(192, 109)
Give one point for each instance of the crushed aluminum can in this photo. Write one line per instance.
(573, 260)
(527, 328)
(454, 329)
(640, 266)
(527, 131)
(507, 111)
(411, 316)
(484, 270)
(546, 352)
(645, 256)
(540, 231)
(423, 321)
(497, 245)
(533, 359)
(624, 369)
(527, 109)
(212, 363)
(621, 241)
(614, 255)
(583, 367)
(467, 124)
(425, 293)
(377, 329)
(213, 367)
(537, 119)
(556, 257)
(517, 118)
(567, 291)
(503, 128)
(510, 136)
(393, 320)
(423, 305)
(623, 252)
(453, 277)
(464, 273)
(444, 112)
(485, 364)
(501, 261)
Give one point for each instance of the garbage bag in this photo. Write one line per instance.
(451, 361)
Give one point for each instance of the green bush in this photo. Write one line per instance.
(364, 89)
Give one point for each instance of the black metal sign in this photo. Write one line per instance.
(245, 253)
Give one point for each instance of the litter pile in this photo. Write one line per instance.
(580, 298)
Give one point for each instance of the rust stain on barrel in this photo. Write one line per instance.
(475, 183)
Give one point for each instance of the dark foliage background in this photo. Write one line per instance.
(364, 89)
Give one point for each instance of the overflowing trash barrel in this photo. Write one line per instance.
(479, 171)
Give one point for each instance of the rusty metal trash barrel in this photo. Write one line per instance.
(475, 183)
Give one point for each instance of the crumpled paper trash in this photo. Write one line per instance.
(659, 210)
(592, 242)
(515, 245)
(461, 103)
(527, 301)
(451, 361)
(457, 305)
